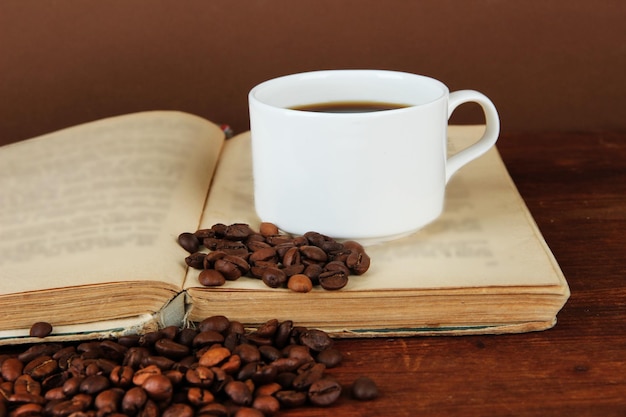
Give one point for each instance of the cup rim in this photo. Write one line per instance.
(253, 95)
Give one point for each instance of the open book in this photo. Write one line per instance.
(89, 219)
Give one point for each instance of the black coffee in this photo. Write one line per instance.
(350, 107)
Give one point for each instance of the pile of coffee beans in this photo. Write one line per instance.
(228, 252)
(216, 368)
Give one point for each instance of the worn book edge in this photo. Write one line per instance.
(175, 313)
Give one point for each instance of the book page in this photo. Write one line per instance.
(485, 237)
(104, 201)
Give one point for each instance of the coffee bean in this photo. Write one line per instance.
(277, 240)
(283, 333)
(72, 385)
(300, 283)
(364, 389)
(162, 362)
(266, 404)
(228, 246)
(313, 254)
(204, 233)
(264, 374)
(216, 323)
(292, 257)
(108, 401)
(25, 410)
(94, 384)
(171, 349)
(247, 371)
(199, 396)
(72, 406)
(231, 365)
(186, 335)
(283, 365)
(40, 367)
(238, 392)
(212, 257)
(178, 410)
(285, 379)
(144, 373)
(330, 357)
(284, 245)
(237, 231)
(265, 254)
(268, 389)
(258, 339)
(291, 398)
(213, 410)
(333, 280)
(231, 267)
(38, 350)
(290, 270)
(235, 327)
(248, 352)
(307, 375)
(299, 352)
(11, 369)
(214, 356)
(135, 356)
(158, 387)
(358, 261)
(175, 375)
(134, 400)
(316, 340)
(268, 229)
(337, 266)
(248, 412)
(324, 391)
(267, 329)
(40, 329)
(113, 350)
(151, 409)
(129, 340)
(55, 394)
(55, 380)
(189, 242)
(122, 376)
(211, 278)
(324, 242)
(270, 353)
(195, 260)
(256, 243)
(274, 277)
(24, 397)
(207, 337)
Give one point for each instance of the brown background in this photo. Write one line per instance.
(548, 65)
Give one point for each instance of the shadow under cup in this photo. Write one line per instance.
(362, 174)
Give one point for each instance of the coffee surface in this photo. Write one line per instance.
(350, 107)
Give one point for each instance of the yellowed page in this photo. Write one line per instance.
(485, 238)
(103, 202)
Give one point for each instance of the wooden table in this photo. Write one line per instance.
(575, 186)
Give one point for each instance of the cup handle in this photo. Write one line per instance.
(488, 139)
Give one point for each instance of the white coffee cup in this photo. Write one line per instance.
(365, 175)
